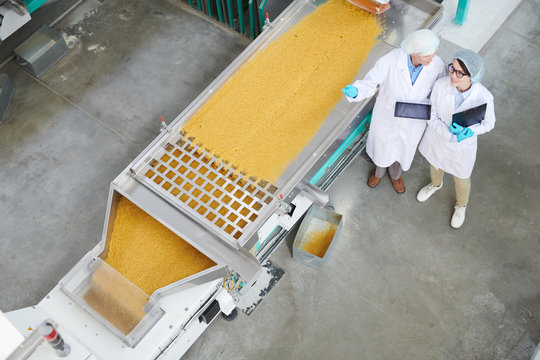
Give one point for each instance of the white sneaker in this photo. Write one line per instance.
(426, 192)
(459, 216)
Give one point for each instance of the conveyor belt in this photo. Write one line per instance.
(179, 172)
(189, 194)
(221, 213)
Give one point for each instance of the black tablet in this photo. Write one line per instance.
(412, 110)
(471, 116)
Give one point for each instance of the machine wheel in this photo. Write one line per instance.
(233, 315)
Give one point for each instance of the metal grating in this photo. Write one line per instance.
(208, 188)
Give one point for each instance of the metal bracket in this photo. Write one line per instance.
(313, 193)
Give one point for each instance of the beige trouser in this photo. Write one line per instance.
(463, 186)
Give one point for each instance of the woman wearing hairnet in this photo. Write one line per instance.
(448, 146)
(404, 75)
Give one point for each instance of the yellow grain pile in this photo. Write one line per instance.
(270, 110)
(318, 237)
(147, 253)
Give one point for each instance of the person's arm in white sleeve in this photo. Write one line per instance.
(489, 119)
(435, 121)
(367, 87)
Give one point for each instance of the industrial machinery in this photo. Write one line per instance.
(16, 13)
(173, 316)
(373, 6)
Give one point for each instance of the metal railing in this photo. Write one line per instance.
(243, 16)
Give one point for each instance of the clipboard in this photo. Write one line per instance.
(471, 116)
(412, 110)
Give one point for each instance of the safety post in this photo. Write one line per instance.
(261, 13)
(230, 13)
(251, 10)
(219, 10)
(190, 2)
(241, 16)
(199, 6)
(462, 11)
(209, 7)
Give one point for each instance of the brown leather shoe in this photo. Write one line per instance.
(373, 180)
(398, 185)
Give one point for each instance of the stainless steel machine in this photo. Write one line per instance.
(15, 13)
(255, 216)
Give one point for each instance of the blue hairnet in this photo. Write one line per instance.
(473, 62)
(423, 42)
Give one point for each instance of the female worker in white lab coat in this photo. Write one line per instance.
(404, 75)
(448, 146)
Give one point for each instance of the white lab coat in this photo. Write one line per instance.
(392, 139)
(439, 146)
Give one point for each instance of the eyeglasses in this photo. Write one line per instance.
(458, 73)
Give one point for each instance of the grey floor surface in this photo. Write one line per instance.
(400, 283)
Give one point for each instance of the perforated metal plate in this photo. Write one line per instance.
(208, 188)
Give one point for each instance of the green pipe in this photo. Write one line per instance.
(462, 11)
(199, 6)
(241, 16)
(230, 12)
(209, 7)
(219, 10)
(190, 2)
(341, 149)
(262, 16)
(251, 18)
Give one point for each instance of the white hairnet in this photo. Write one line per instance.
(423, 42)
(473, 62)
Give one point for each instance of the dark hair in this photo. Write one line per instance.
(465, 70)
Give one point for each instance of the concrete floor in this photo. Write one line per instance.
(400, 283)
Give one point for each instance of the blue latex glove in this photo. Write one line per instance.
(350, 91)
(455, 128)
(466, 133)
